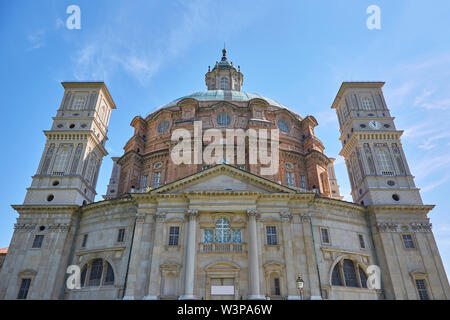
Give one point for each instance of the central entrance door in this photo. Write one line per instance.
(222, 289)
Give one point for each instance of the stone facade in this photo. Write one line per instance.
(224, 231)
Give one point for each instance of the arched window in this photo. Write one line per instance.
(366, 103)
(283, 126)
(336, 279)
(349, 273)
(222, 230)
(163, 126)
(384, 162)
(362, 277)
(224, 85)
(223, 119)
(83, 276)
(61, 160)
(354, 276)
(97, 271)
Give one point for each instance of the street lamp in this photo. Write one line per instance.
(300, 284)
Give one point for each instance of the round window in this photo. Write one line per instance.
(60, 125)
(387, 126)
(84, 125)
(283, 126)
(391, 183)
(163, 126)
(363, 125)
(50, 197)
(395, 197)
(41, 228)
(55, 183)
(72, 126)
(223, 119)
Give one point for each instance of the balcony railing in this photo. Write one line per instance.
(223, 247)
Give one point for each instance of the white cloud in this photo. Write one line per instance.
(435, 184)
(113, 49)
(36, 40)
(423, 96)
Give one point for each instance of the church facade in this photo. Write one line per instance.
(223, 230)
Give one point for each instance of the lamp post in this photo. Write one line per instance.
(300, 284)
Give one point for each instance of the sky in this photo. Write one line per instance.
(296, 52)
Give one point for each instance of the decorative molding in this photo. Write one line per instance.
(59, 227)
(387, 227)
(421, 226)
(25, 227)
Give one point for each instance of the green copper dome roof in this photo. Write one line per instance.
(227, 95)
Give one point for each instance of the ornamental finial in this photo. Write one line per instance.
(224, 53)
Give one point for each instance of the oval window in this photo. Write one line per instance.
(223, 119)
(283, 126)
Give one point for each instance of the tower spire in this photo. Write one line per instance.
(224, 53)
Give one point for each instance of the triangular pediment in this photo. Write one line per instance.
(223, 177)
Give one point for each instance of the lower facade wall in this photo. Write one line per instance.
(146, 265)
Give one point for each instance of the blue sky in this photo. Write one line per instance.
(296, 52)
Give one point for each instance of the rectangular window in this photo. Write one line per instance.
(144, 181)
(121, 235)
(236, 236)
(422, 290)
(174, 233)
(37, 243)
(24, 287)
(408, 241)
(208, 235)
(84, 242)
(290, 179)
(303, 182)
(362, 244)
(325, 236)
(271, 235)
(156, 179)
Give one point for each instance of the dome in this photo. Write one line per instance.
(224, 95)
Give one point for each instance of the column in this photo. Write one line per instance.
(253, 265)
(286, 218)
(154, 286)
(189, 275)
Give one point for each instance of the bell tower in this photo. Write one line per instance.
(75, 147)
(377, 167)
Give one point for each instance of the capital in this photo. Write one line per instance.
(160, 216)
(191, 214)
(286, 215)
(252, 213)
